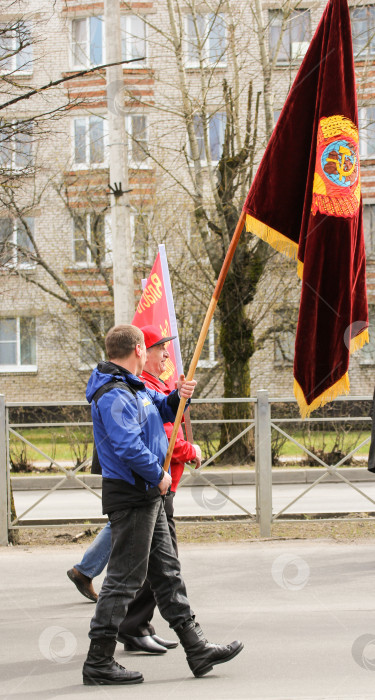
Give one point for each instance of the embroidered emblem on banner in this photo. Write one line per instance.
(336, 188)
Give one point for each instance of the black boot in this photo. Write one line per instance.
(100, 668)
(201, 655)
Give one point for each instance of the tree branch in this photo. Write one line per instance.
(54, 83)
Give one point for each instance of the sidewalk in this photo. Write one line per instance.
(305, 611)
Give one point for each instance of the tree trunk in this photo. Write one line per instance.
(236, 343)
(237, 347)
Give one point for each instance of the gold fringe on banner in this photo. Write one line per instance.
(342, 386)
(300, 269)
(358, 342)
(275, 239)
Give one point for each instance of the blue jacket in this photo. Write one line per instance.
(128, 430)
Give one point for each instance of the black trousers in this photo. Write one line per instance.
(141, 546)
(137, 622)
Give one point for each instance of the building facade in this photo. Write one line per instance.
(56, 280)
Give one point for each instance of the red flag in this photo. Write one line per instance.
(154, 309)
(305, 201)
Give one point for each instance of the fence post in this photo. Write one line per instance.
(3, 476)
(263, 463)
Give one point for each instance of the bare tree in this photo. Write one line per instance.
(207, 85)
(208, 125)
(34, 115)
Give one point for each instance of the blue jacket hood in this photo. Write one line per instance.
(105, 372)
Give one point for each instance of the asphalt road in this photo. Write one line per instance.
(200, 501)
(304, 610)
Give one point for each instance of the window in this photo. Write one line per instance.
(16, 51)
(133, 39)
(276, 114)
(296, 35)
(91, 239)
(216, 133)
(369, 228)
(87, 42)
(205, 34)
(17, 344)
(367, 354)
(137, 129)
(89, 141)
(16, 248)
(90, 350)
(367, 132)
(285, 324)
(16, 152)
(363, 31)
(208, 354)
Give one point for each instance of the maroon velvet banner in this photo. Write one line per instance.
(305, 201)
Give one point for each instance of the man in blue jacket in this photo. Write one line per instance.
(132, 444)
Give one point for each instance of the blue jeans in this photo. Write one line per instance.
(96, 556)
(141, 546)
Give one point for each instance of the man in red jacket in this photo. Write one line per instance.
(157, 355)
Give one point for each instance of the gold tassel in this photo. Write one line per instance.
(340, 387)
(274, 238)
(300, 269)
(358, 342)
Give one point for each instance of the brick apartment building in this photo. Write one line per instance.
(61, 196)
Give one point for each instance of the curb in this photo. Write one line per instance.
(185, 519)
(219, 478)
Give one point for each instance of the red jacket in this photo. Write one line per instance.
(183, 450)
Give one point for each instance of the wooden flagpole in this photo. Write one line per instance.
(204, 330)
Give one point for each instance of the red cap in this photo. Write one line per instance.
(153, 336)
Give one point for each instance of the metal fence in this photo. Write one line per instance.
(266, 518)
(263, 423)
